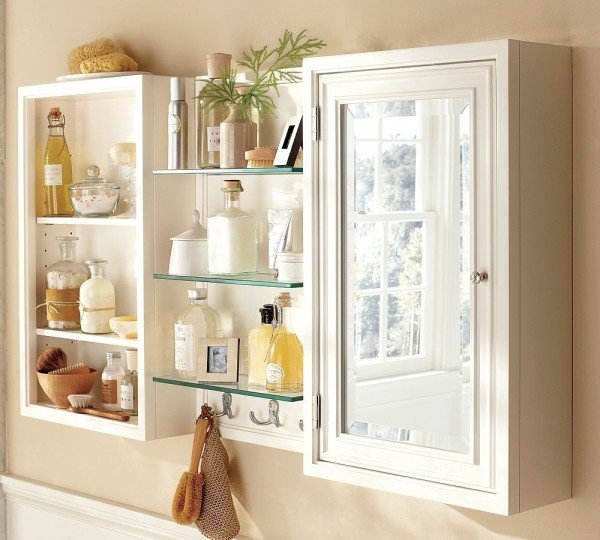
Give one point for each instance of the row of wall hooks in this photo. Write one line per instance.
(273, 411)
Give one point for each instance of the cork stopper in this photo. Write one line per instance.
(283, 299)
(56, 118)
(233, 188)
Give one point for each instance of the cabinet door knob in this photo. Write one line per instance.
(479, 277)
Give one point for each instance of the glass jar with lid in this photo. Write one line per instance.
(63, 281)
(94, 196)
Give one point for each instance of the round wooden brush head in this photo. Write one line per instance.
(51, 359)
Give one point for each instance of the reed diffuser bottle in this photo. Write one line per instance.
(58, 172)
(284, 361)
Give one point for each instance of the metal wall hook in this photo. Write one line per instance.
(301, 424)
(226, 406)
(273, 415)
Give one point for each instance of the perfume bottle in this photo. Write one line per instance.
(197, 321)
(129, 384)
(58, 172)
(232, 236)
(111, 382)
(63, 282)
(96, 300)
(259, 340)
(284, 371)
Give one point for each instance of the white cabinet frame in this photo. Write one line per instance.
(529, 407)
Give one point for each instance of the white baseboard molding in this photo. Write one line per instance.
(37, 510)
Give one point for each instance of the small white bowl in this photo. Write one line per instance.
(125, 327)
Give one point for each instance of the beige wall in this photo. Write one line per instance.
(276, 501)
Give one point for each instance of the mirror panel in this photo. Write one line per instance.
(408, 303)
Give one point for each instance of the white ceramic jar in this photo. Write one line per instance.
(189, 252)
(290, 266)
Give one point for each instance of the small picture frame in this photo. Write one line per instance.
(219, 360)
(290, 143)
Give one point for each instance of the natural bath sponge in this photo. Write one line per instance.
(109, 62)
(98, 47)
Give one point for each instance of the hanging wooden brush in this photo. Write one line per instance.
(187, 500)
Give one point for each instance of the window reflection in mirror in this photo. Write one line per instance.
(408, 306)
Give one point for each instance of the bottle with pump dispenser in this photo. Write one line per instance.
(196, 322)
(178, 125)
(111, 382)
(284, 372)
(259, 340)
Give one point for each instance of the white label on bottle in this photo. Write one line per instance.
(127, 397)
(184, 350)
(274, 373)
(174, 123)
(53, 175)
(213, 137)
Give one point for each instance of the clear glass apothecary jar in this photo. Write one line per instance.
(63, 281)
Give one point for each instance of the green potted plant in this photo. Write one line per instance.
(266, 67)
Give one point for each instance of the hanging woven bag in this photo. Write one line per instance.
(218, 520)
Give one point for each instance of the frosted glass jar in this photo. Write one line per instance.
(96, 300)
(232, 236)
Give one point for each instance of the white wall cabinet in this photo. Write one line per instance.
(436, 309)
(438, 243)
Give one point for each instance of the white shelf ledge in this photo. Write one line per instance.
(78, 335)
(107, 222)
(47, 411)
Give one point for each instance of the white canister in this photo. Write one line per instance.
(289, 266)
(189, 252)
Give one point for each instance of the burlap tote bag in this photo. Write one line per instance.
(218, 520)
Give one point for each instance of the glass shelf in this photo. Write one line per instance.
(254, 280)
(242, 387)
(232, 172)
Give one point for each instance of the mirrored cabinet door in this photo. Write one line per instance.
(407, 157)
(438, 270)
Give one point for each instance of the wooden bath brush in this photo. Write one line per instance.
(187, 500)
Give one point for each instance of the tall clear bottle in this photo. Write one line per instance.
(285, 355)
(111, 382)
(232, 236)
(208, 119)
(63, 282)
(196, 322)
(96, 300)
(58, 172)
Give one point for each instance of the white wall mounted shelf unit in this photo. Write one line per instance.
(99, 113)
(438, 274)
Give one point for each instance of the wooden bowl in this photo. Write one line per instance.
(58, 387)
